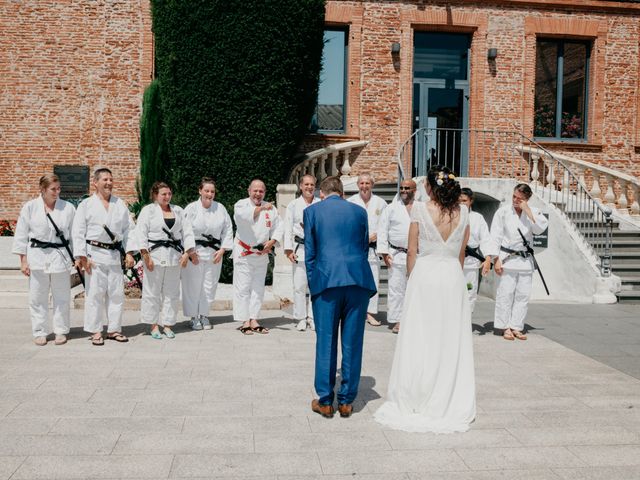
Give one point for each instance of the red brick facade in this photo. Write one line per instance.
(501, 94)
(72, 76)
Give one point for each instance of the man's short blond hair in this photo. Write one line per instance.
(332, 185)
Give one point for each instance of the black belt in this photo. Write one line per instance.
(106, 246)
(474, 252)
(35, 243)
(175, 244)
(215, 243)
(373, 245)
(516, 253)
(299, 241)
(400, 249)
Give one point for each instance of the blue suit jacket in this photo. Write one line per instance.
(336, 246)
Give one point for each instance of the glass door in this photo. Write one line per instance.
(441, 114)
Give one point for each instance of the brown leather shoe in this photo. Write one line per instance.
(345, 409)
(325, 410)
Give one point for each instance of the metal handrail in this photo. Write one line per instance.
(509, 154)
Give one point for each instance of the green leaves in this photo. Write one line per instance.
(239, 82)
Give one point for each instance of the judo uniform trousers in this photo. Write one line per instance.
(374, 209)
(293, 227)
(250, 269)
(393, 233)
(161, 287)
(104, 286)
(199, 282)
(50, 267)
(514, 285)
(479, 237)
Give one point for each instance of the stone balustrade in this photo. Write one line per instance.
(327, 161)
(617, 190)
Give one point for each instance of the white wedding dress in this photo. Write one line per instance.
(432, 383)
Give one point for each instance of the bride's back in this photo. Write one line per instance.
(441, 220)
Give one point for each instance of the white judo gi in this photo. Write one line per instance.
(104, 286)
(50, 267)
(514, 285)
(374, 209)
(161, 287)
(293, 227)
(199, 282)
(249, 269)
(479, 237)
(393, 231)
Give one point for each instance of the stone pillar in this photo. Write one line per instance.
(282, 271)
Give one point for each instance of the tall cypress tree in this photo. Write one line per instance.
(154, 160)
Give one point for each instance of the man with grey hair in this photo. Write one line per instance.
(294, 250)
(374, 205)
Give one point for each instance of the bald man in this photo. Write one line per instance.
(258, 230)
(393, 238)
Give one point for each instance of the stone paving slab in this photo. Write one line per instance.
(217, 404)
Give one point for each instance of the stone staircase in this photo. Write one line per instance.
(625, 255)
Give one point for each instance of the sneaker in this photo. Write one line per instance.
(196, 324)
(311, 324)
(302, 325)
(206, 324)
(40, 341)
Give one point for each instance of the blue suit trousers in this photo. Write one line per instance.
(343, 308)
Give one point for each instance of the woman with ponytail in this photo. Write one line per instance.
(432, 383)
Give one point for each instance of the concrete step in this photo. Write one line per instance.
(13, 281)
(629, 296)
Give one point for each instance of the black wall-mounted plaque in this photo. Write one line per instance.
(74, 180)
(542, 240)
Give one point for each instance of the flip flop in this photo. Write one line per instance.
(155, 333)
(98, 342)
(260, 329)
(246, 330)
(169, 333)
(519, 335)
(118, 337)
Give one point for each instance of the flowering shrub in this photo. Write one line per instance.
(7, 228)
(545, 122)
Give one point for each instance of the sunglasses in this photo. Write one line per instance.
(406, 188)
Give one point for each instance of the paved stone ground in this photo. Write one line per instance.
(216, 404)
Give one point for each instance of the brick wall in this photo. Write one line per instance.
(72, 74)
(501, 92)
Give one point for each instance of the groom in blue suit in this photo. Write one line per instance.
(336, 245)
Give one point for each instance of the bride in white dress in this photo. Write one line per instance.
(432, 383)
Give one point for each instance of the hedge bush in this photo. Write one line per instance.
(239, 85)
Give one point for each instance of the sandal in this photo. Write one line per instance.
(168, 333)
(118, 337)
(396, 328)
(155, 333)
(246, 330)
(519, 335)
(508, 334)
(98, 342)
(260, 329)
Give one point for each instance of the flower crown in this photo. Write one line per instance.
(441, 176)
